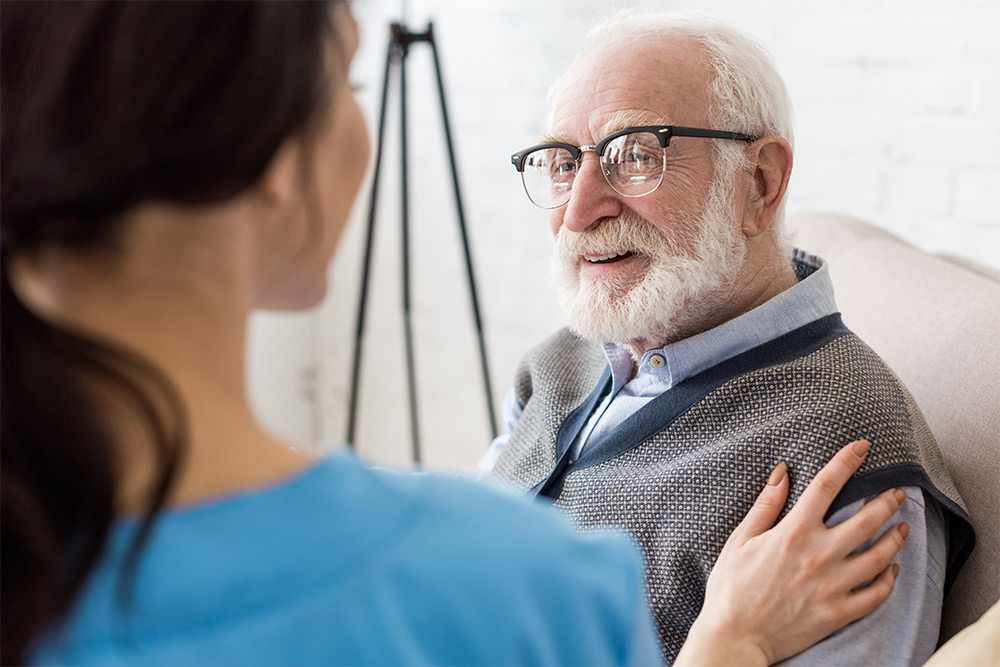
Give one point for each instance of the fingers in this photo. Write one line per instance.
(818, 496)
(869, 520)
(766, 508)
(867, 599)
(863, 566)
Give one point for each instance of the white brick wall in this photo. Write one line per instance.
(898, 122)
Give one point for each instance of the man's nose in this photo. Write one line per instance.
(592, 198)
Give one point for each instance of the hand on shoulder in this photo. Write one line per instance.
(776, 591)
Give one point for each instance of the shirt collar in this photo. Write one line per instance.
(660, 369)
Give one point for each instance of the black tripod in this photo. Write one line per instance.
(400, 40)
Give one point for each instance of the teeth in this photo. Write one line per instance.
(604, 258)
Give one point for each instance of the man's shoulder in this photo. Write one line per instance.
(845, 366)
(837, 380)
(824, 350)
(828, 393)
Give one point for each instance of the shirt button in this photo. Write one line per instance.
(657, 361)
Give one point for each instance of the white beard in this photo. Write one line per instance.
(687, 278)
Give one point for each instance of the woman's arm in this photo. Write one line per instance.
(776, 591)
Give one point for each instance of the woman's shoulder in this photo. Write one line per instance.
(349, 563)
(468, 515)
(480, 554)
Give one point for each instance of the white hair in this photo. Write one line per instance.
(748, 93)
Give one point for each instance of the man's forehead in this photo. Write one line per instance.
(645, 81)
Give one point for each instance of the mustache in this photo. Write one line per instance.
(626, 232)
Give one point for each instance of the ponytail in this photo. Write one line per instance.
(58, 463)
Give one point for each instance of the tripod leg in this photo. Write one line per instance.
(359, 334)
(465, 236)
(410, 367)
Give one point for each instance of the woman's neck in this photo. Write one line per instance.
(183, 305)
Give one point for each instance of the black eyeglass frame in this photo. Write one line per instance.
(663, 134)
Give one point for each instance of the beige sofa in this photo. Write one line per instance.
(935, 319)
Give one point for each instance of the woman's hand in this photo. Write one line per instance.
(776, 591)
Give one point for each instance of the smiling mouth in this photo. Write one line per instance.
(609, 258)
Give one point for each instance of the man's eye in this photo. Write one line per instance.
(638, 157)
(562, 169)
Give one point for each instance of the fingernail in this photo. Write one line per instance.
(904, 530)
(895, 570)
(900, 495)
(776, 475)
(861, 448)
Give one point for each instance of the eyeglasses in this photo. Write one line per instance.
(632, 161)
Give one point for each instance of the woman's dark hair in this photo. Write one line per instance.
(106, 105)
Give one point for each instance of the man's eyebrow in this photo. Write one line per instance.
(626, 119)
(554, 138)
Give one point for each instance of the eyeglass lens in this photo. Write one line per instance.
(632, 164)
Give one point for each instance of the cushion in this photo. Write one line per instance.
(976, 646)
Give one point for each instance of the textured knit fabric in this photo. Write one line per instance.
(348, 565)
(680, 473)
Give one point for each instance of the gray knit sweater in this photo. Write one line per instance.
(681, 473)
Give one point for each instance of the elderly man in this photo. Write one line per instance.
(702, 350)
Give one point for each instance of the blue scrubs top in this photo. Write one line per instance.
(346, 564)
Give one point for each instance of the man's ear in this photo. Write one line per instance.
(771, 167)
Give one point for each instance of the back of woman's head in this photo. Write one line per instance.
(106, 105)
(109, 104)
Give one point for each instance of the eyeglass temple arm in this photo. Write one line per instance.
(678, 131)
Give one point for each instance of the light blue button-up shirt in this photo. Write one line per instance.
(904, 629)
